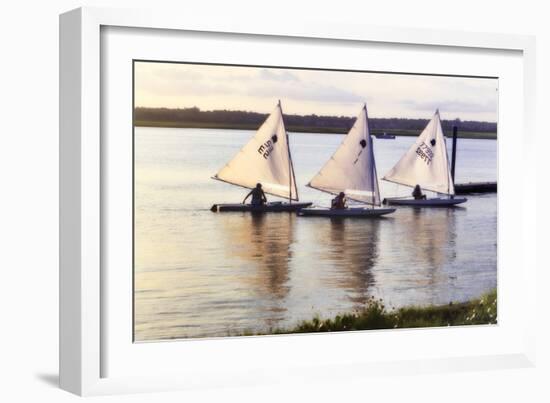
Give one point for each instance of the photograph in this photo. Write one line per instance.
(271, 200)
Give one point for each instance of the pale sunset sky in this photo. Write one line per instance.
(304, 92)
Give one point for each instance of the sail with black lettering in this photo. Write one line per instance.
(352, 168)
(426, 163)
(264, 159)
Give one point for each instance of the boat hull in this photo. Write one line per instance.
(357, 212)
(275, 207)
(435, 202)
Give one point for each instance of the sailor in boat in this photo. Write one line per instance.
(417, 193)
(339, 202)
(258, 196)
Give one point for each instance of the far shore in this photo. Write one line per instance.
(302, 129)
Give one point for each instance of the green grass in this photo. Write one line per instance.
(375, 315)
(300, 129)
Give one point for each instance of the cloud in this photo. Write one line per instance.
(314, 91)
(451, 106)
(228, 81)
(304, 91)
(272, 75)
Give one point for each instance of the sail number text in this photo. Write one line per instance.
(425, 153)
(265, 149)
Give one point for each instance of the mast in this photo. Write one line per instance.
(447, 158)
(447, 155)
(435, 130)
(371, 148)
(291, 177)
(369, 141)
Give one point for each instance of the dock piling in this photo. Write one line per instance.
(453, 158)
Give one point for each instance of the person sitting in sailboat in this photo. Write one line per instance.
(339, 202)
(417, 193)
(258, 196)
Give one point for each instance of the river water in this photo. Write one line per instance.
(204, 274)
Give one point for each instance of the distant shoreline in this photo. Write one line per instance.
(302, 129)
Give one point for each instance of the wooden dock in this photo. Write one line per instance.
(475, 187)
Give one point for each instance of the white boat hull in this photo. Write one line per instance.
(358, 212)
(273, 207)
(435, 202)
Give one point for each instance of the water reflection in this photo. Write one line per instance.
(429, 236)
(263, 243)
(352, 246)
(433, 235)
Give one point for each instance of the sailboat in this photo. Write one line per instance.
(265, 159)
(352, 170)
(426, 164)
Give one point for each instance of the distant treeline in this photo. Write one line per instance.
(194, 117)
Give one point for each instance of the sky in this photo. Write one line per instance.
(304, 92)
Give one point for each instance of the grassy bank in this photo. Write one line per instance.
(375, 315)
(299, 129)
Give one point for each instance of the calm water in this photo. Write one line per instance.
(202, 274)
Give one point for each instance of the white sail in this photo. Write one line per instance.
(352, 168)
(264, 159)
(426, 162)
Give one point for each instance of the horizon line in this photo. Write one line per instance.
(311, 114)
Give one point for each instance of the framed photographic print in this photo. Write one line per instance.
(244, 202)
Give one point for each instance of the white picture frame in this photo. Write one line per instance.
(83, 307)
